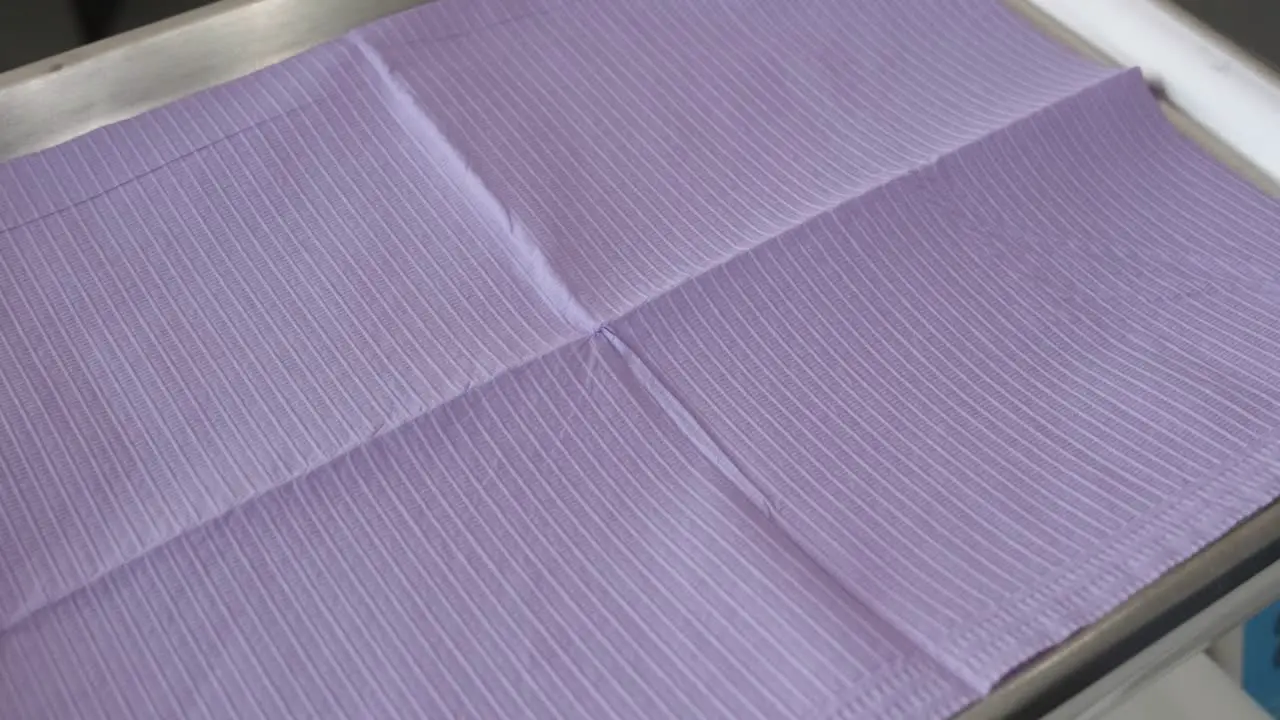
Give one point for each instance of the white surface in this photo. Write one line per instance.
(1208, 78)
(1228, 653)
(1195, 690)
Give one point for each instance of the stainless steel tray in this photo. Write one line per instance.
(56, 99)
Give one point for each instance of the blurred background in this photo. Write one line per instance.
(31, 30)
(1252, 24)
(34, 29)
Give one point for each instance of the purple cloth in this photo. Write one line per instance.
(538, 358)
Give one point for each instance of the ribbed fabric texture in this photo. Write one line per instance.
(568, 359)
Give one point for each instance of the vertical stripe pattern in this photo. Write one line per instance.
(646, 142)
(998, 395)
(548, 546)
(233, 318)
(587, 359)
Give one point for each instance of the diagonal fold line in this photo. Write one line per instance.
(526, 255)
(759, 494)
(523, 251)
(691, 428)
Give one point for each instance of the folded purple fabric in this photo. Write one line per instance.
(551, 358)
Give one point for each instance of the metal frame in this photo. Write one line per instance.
(1175, 617)
(51, 101)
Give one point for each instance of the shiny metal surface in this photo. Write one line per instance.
(1173, 618)
(54, 100)
(1171, 649)
(57, 99)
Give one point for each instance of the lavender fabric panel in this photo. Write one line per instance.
(556, 358)
(998, 396)
(233, 318)
(546, 546)
(48, 182)
(642, 143)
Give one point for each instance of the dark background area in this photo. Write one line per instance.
(34, 29)
(1252, 24)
